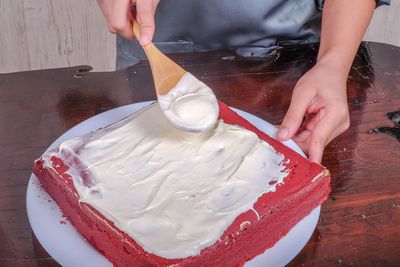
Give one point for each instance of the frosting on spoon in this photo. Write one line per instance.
(190, 105)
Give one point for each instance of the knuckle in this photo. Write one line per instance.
(147, 26)
(117, 26)
(111, 29)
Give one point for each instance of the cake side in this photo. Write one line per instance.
(102, 234)
(245, 238)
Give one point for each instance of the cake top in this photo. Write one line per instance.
(173, 192)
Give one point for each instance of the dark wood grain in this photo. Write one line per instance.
(359, 224)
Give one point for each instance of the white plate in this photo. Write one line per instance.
(69, 248)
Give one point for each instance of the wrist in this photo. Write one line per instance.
(337, 61)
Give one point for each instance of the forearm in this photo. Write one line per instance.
(344, 23)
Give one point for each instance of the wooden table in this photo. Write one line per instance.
(360, 222)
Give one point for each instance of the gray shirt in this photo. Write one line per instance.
(246, 27)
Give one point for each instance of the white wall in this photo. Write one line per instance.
(40, 34)
(385, 25)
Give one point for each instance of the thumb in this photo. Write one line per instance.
(145, 17)
(293, 118)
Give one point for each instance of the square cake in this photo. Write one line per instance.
(146, 194)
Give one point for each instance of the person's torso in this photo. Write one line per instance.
(247, 27)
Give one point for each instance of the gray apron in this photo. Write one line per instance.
(246, 27)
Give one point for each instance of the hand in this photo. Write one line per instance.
(320, 97)
(118, 16)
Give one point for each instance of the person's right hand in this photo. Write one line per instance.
(118, 16)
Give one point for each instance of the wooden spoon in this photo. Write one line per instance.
(166, 73)
(187, 103)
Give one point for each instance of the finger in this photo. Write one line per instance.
(301, 136)
(145, 17)
(316, 150)
(322, 134)
(121, 19)
(302, 139)
(294, 116)
(106, 9)
(310, 121)
(330, 122)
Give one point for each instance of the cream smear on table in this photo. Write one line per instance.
(190, 105)
(173, 192)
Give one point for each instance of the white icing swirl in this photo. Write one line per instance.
(190, 105)
(173, 192)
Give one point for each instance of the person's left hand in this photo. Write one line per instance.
(319, 97)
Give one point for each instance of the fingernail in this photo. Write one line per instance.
(144, 39)
(282, 133)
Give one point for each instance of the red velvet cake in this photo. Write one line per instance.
(305, 186)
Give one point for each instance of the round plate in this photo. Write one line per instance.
(69, 248)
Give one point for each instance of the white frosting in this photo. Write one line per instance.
(173, 192)
(190, 105)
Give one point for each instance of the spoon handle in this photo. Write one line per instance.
(166, 73)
